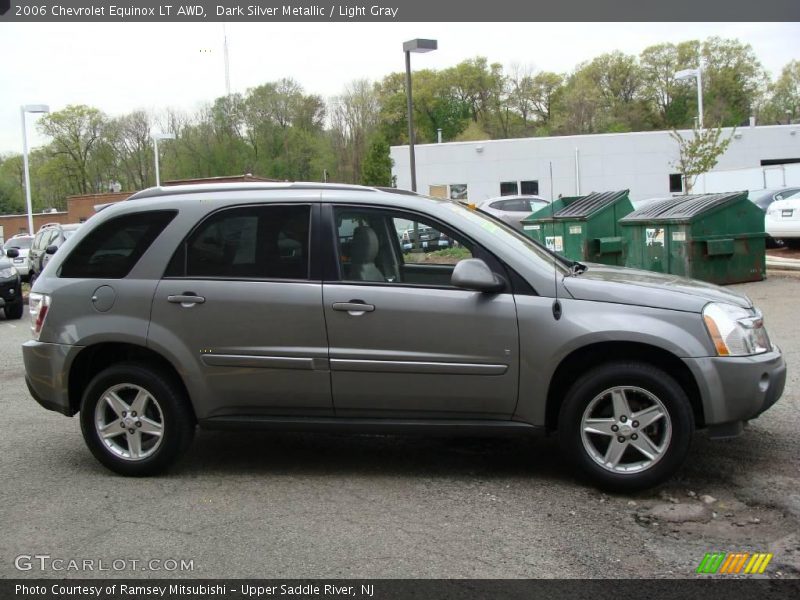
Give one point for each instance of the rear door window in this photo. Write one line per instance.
(250, 242)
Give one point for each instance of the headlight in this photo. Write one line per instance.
(735, 331)
(7, 272)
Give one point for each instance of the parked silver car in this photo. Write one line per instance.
(512, 209)
(179, 307)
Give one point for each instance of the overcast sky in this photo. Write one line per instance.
(118, 67)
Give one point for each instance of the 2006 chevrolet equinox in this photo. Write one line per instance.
(297, 306)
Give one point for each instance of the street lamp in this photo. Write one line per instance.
(29, 108)
(689, 74)
(156, 137)
(417, 45)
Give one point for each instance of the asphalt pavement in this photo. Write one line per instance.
(298, 506)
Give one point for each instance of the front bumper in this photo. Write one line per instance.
(46, 368)
(11, 290)
(735, 389)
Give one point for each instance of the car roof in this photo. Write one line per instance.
(178, 190)
(515, 197)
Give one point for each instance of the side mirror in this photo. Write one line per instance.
(50, 249)
(474, 274)
(12, 253)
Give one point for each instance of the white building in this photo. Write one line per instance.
(642, 162)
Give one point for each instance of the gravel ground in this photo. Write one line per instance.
(292, 505)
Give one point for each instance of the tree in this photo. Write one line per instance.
(783, 105)
(699, 153)
(734, 81)
(377, 166)
(354, 118)
(76, 133)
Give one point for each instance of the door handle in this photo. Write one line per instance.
(354, 307)
(186, 300)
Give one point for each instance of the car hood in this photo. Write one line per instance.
(603, 283)
(5, 262)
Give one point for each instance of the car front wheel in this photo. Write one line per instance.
(136, 420)
(626, 425)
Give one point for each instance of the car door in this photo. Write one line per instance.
(404, 343)
(239, 299)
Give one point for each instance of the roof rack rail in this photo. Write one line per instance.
(49, 225)
(174, 190)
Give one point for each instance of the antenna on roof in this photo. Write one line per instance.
(556, 303)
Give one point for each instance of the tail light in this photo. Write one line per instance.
(38, 304)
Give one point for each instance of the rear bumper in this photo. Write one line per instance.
(736, 389)
(46, 368)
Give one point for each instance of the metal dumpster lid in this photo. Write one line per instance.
(590, 204)
(681, 207)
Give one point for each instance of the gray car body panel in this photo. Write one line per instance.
(474, 356)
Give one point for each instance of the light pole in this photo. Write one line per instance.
(156, 137)
(417, 45)
(697, 74)
(29, 108)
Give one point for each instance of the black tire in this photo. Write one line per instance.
(14, 311)
(176, 418)
(630, 374)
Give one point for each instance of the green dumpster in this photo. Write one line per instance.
(590, 228)
(582, 227)
(718, 238)
(539, 225)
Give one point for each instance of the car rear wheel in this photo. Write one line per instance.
(135, 419)
(626, 425)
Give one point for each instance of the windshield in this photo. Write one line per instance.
(21, 243)
(511, 236)
(68, 233)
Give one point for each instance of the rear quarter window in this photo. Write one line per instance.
(112, 249)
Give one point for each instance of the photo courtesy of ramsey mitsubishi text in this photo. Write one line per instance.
(399, 299)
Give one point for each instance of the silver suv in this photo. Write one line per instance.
(295, 306)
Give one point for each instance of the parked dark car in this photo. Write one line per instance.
(45, 243)
(10, 285)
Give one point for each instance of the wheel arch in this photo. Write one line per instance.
(97, 357)
(593, 355)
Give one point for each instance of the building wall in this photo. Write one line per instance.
(80, 208)
(14, 224)
(640, 161)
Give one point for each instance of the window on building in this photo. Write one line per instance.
(458, 191)
(509, 188)
(112, 249)
(437, 191)
(529, 188)
(675, 182)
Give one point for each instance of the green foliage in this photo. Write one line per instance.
(377, 166)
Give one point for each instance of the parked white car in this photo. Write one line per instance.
(512, 209)
(783, 219)
(21, 242)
